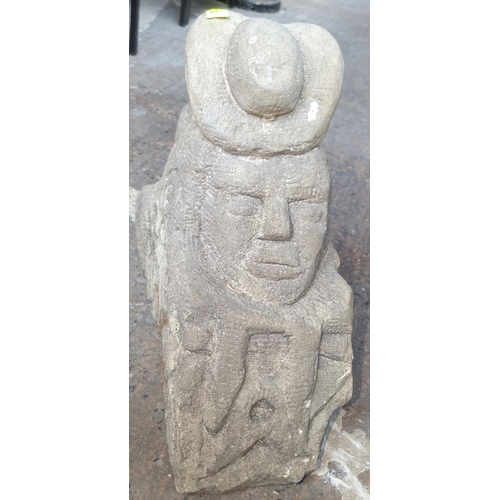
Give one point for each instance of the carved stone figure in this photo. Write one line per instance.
(254, 318)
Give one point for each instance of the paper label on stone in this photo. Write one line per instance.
(216, 13)
(255, 320)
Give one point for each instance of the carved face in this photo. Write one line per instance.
(263, 223)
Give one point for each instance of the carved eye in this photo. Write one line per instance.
(305, 210)
(242, 204)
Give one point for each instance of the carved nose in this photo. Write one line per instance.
(276, 223)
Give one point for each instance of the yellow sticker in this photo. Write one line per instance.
(213, 13)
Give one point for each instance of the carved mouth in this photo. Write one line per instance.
(273, 270)
(274, 260)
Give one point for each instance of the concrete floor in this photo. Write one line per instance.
(157, 94)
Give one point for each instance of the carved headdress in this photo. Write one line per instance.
(251, 99)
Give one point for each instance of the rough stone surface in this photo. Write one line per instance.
(158, 92)
(217, 88)
(254, 318)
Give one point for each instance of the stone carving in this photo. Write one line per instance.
(254, 318)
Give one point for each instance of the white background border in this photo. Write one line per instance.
(434, 191)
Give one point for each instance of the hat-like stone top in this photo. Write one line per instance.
(258, 88)
(264, 68)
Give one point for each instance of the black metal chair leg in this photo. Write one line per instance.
(134, 27)
(185, 8)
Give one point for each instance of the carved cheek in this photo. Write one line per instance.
(239, 221)
(309, 225)
(231, 223)
(237, 232)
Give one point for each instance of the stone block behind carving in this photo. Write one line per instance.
(254, 318)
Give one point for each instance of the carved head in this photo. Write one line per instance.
(263, 223)
(261, 98)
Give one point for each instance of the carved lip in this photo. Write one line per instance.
(273, 270)
(275, 260)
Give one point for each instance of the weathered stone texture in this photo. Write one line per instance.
(254, 318)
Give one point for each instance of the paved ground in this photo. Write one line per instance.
(157, 94)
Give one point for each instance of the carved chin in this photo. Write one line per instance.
(260, 278)
(278, 286)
